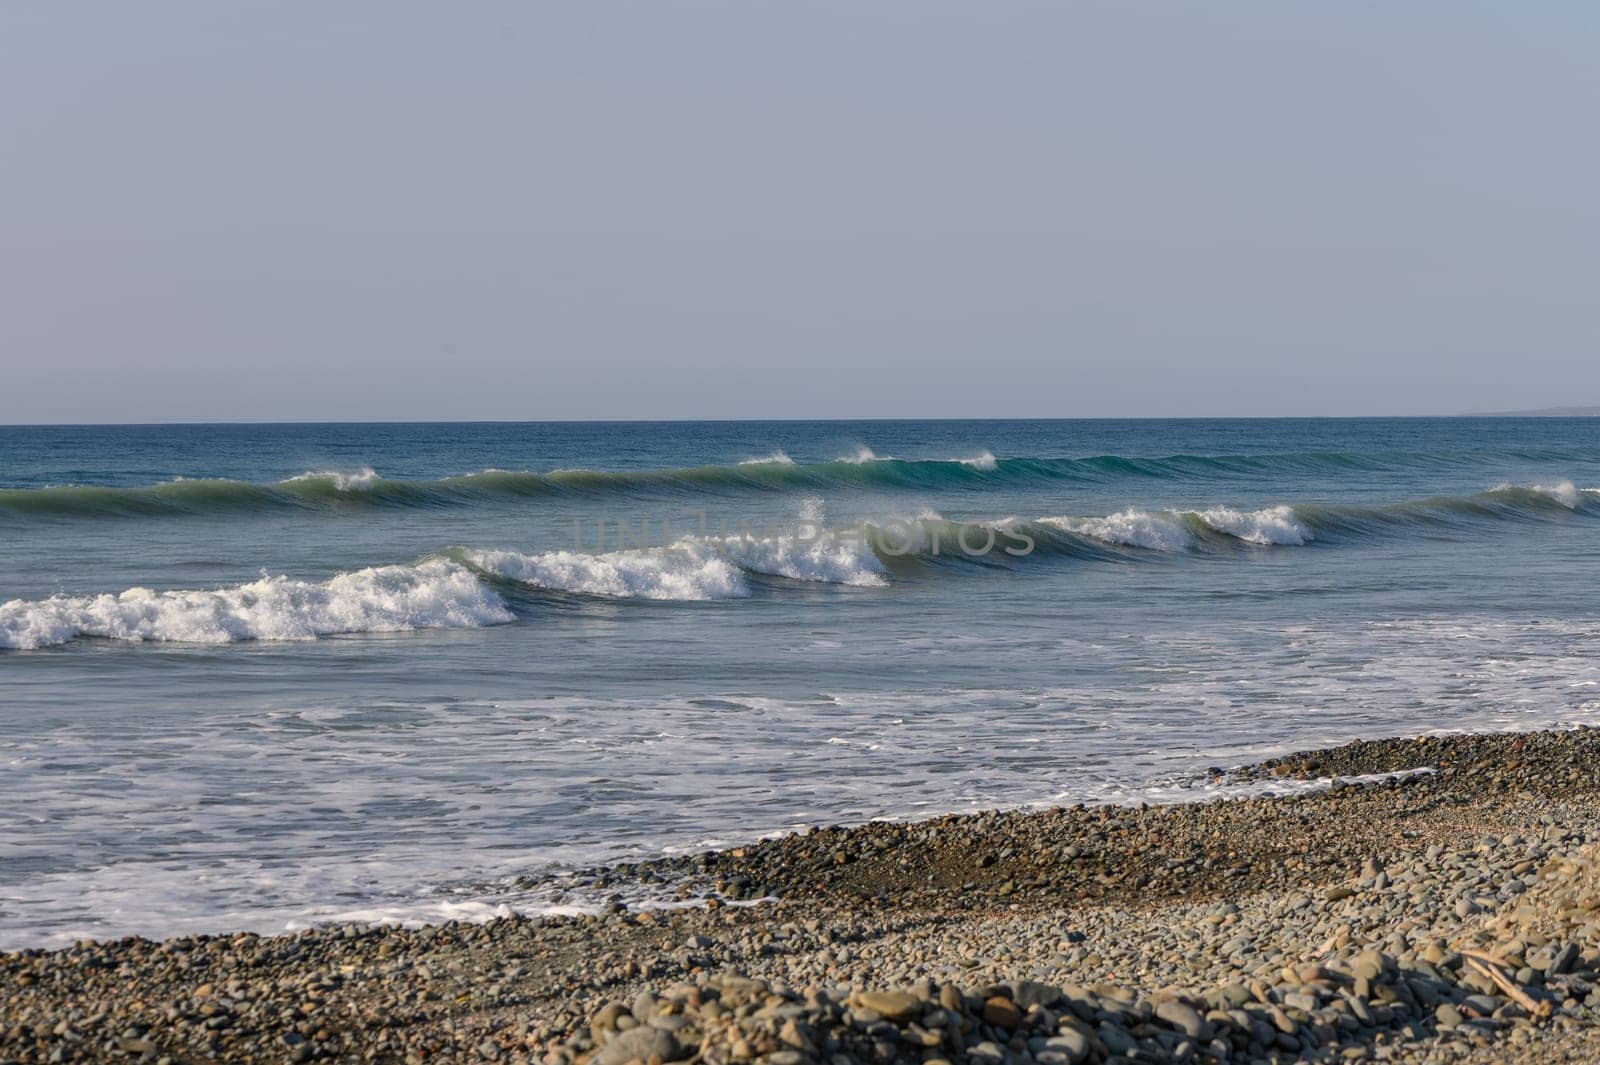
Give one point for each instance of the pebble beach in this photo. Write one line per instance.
(1435, 900)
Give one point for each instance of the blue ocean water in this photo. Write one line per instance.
(265, 676)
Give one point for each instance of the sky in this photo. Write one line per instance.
(890, 208)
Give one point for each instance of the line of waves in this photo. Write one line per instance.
(475, 588)
(776, 472)
(1170, 531)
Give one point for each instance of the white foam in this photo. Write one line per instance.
(863, 454)
(827, 558)
(687, 570)
(1565, 493)
(984, 461)
(1274, 525)
(434, 594)
(1194, 789)
(776, 458)
(691, 569)
(529, 783)
(1132, 528)
(359, 481)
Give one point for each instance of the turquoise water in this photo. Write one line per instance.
(264, 676)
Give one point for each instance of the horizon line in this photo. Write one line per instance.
(1549, 414)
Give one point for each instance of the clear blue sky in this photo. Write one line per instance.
(813, 209)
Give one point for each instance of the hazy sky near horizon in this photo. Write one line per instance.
(897, 208)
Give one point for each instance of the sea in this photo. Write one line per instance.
(263, 677)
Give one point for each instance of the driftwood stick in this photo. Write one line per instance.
(1483, 956)
(1483, 964)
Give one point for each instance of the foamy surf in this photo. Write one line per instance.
(355, 481)
(1129, 528)
(685, 571)
(984, 461)
(1273, 525)
(1563, 492)
(1173, 531)
(690, 570)
(825, 558)
(775, 458)
(433, 594)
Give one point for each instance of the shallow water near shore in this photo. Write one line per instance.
(261, 677)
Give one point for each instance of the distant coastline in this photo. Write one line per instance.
(1545, 412)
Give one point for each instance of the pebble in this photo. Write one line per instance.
(644, 1043)
(897, 1006)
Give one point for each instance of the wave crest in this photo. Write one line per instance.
(1273, 525)
(1129, 528)
(984, 461)
(772, 473)
(1563, 492)
(359, 481)
(827, 558)
(433, 594)
(690, 569)
(1174, 531)
(775, 458)
(684, 571)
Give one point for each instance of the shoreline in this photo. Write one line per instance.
(1321, 925)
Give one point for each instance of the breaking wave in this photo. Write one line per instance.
(1130, 528)
(360, 481)
(1290, 526)
(1274, 525)
(685, 571)
(690, 569)
(775, 458)
(1564, 492)
(433, 594)
(984, 461)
